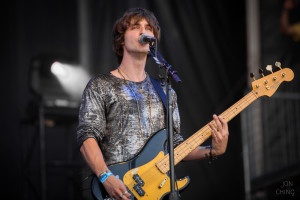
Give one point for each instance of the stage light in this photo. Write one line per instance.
(57, 82)
(59, 69)
(72, 78)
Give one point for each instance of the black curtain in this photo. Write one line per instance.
(205, 42)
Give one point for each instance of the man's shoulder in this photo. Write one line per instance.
(101, 79)
(104, 82)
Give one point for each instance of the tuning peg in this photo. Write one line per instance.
(261, 71)
(252, 76)
(278, 64)
(269, 68)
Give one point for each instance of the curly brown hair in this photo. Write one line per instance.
(122, 24)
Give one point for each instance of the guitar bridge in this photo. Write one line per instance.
(163, 182)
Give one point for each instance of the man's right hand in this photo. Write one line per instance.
(94, 157)
(116, 188)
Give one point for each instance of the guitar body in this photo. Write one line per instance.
(140, 174)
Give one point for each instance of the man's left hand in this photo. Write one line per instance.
(220, 135)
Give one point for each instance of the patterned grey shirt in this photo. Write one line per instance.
(122, 115)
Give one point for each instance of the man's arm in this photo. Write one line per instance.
(285, 26)
(220, 135)
(94, 158)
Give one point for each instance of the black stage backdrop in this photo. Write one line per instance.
(204, 40)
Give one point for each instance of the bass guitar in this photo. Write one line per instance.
(146, 176)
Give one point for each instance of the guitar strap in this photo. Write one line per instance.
(163, 97)
(160, 91)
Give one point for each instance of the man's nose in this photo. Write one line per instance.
(142, 30)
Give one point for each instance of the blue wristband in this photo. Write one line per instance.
(105, 176)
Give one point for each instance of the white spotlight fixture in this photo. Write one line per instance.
(58, 69)
(59, 82)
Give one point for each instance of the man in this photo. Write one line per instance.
(121, 110)
(292, 30)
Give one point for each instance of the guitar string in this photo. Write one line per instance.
(155, 169)
(228, 113)
(148, 174)
(206, 134)
(225, 114)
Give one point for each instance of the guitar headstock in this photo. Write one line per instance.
(267, 85)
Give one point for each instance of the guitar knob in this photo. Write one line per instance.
(278, 64)
(261, 71)
(269, 68)
(252, 76)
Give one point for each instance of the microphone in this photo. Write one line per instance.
(145, 38)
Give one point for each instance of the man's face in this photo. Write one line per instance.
(133, 34)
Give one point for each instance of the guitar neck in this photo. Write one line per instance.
(182, 150)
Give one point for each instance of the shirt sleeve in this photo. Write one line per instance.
(92, 121)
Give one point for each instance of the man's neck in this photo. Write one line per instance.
(134, 67)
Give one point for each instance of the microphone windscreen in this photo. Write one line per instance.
(142, 40)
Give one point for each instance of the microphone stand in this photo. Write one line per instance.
(174, 195)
